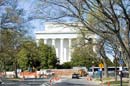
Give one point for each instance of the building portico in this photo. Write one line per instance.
(61, 44)
(60, 37)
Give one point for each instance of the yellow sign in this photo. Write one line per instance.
(101, 65)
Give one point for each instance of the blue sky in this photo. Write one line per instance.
(29, 7)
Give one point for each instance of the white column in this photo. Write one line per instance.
(70, 44)
(53, 42)
(45, 41)
(65, 58)
(61, 51)
(57, 54)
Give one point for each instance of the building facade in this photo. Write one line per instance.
(60, 36)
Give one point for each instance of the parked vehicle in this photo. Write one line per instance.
(75, 76)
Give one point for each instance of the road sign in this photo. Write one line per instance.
(121, 62)
(101, 65)
(120, 68)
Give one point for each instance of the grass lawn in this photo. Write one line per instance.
(112, 82)
(117, 83)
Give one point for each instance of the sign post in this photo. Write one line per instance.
(100, 71)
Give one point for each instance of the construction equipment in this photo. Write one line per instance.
(82, 72)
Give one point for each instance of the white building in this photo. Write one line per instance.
(60, 36)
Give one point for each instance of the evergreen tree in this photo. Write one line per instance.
(47, 55)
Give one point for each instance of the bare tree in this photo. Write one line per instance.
(109, 16)
(12, 29)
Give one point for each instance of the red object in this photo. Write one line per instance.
(108, 84)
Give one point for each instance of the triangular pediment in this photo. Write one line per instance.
(55, 27)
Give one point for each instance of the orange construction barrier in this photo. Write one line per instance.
(108, 84)
(89, 78)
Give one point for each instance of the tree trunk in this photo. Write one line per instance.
(105, 68)
(16, 74)
(116, 69)
(4, 69)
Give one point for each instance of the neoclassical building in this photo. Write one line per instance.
(60, 36)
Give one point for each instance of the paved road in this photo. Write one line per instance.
(75, 82)
(26, 82)
(45, 82)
